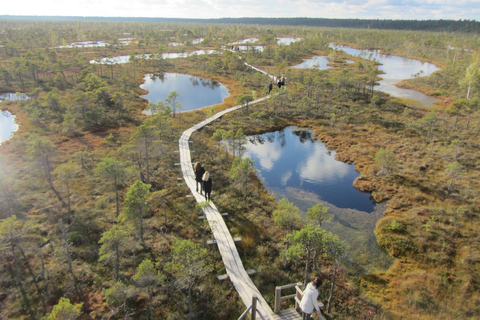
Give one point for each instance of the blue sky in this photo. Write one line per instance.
(361, 9)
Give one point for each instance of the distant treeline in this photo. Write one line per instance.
(426, 25)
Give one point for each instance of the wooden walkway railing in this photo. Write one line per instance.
(226, 245)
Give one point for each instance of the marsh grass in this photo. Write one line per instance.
(435, 236)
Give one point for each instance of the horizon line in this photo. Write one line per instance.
(233, 18)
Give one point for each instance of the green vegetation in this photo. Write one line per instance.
(65, 310)
(93, 220)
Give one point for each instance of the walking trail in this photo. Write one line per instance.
(226, 245)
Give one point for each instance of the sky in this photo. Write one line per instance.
(204, 9)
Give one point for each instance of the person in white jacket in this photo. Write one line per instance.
(309, 300)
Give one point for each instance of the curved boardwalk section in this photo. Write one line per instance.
(233, 264)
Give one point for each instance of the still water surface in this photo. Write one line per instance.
(195, 92)
(396, 69)
(7, 120)
(286, 41)
(172, 55)
(7, 125)
(292, 164)
(317, 62)
(92, 44)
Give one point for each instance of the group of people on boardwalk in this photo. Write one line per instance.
(203, 178)
(280, 81)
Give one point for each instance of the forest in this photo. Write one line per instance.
(441, 25)
(96, 224)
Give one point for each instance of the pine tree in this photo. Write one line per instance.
(137, 206)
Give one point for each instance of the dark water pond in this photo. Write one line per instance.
(292, 158)
(292, 164)
(195, 92)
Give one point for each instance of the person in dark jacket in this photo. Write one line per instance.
(207, 185)
(199, 171)
(270, 87)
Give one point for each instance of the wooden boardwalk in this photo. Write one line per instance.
(226, 245)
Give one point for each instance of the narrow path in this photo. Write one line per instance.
(226, 245)
(233, 264)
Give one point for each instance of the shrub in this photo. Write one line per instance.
(396, 226)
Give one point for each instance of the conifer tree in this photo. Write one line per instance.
(240, 172)
(137, 206)
(149, 278)
(65, 310)
(286, 217)
(115, 242)
(188, 266)
(304, 242)
(112, 169)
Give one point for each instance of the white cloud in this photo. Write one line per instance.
(319, 166)
(268, 153)
(285, 177)
(362, 9)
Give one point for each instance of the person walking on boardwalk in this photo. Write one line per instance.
(199, 171)
(309, 300)
(270, 87)
(207, 185)
(281, 81)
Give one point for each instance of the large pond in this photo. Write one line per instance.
(292, 164)
(7, 120)
(195, 92)
(396, 69)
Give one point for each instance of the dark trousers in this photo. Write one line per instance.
(307, 316)
(207, 195)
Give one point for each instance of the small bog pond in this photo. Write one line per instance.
(195, 92)
(7, 120)
(294, 165)
(7, 125)
(317, 62)
(396, 69)
(286, 41)
(171, 55)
